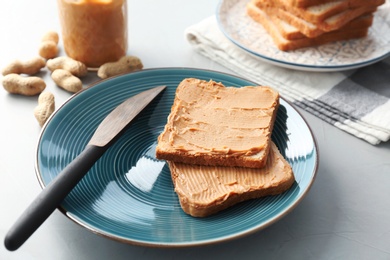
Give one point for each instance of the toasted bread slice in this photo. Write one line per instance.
(332, 23)
(290, 25)
(307, 3)
(292, 33)
(211, 124)
(206, 190)
(319, 13)
(287, 45)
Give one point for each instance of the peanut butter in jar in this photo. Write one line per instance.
(94, 31)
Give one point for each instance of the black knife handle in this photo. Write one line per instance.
(51, 197)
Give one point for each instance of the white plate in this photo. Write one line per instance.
(342, 55)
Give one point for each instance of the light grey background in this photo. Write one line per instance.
(346, 214)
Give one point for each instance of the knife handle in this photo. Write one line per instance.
(51, 197)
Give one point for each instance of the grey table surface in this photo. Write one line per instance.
(346, 214)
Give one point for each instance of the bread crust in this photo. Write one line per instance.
(293, 33)
(330, 24)
(318, 14)
(210, 159)
(308, 3)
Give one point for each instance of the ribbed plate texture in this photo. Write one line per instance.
(128, 195)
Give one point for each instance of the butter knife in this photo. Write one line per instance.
(55, 192)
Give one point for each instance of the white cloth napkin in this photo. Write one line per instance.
(356, 101)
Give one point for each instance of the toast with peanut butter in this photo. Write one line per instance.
(206, 190)
(211, 124)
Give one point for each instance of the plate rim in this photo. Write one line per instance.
(202, 242)
(293, 65)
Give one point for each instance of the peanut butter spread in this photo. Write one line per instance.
(204, 186)
(208, 118)
(94, 31)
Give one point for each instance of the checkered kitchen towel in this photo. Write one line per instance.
(356, 101)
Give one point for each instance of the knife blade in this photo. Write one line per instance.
(112, 126)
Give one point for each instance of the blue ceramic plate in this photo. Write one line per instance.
(128, 195)
(240, 29)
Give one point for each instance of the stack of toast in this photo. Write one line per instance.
(295, 24)
(217, 142)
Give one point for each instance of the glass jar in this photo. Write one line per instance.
(94, 31)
